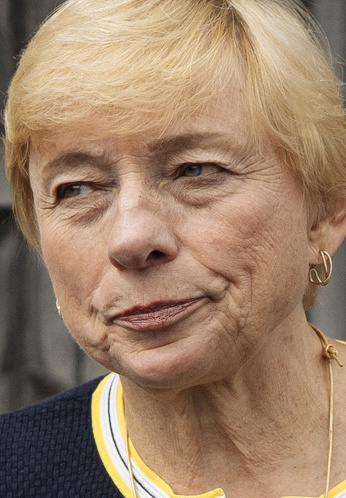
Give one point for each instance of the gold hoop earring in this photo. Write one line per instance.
(58, 308)
(322, 277)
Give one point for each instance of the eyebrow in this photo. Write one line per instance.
(177, 143)
(71, 158)
(173, 145)
(68, 160)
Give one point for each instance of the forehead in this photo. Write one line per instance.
(224, 117)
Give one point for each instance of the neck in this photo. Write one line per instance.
(258, 421)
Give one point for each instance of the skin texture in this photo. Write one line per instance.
(201, 241)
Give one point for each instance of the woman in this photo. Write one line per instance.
(180, 167)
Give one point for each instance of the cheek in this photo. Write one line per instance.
(73, 263)
(231, 235)
(260, 238)
(75, 270)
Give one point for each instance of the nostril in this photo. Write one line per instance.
(156, 255)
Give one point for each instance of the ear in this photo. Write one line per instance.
(327, 235)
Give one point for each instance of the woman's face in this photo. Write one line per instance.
(174, 256)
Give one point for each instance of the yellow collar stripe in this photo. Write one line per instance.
(98, 425)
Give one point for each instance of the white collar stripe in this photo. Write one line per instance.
(111, 432)
(115, 405)
(144, 487)
(111, 457)
(110, 442)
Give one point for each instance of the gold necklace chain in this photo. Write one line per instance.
(330, 353)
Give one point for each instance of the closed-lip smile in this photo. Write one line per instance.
(155, 315)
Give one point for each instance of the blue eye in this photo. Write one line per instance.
(198, 169)
(192, 170)
(73, 190)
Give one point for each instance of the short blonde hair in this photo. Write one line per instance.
(136, 64)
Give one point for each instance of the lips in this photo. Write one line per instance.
(155, 315)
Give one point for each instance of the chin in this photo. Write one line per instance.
(157, 370)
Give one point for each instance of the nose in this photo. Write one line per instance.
(140, 235)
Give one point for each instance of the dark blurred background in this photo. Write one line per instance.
(38, 357)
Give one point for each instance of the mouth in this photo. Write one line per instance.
(156, 315)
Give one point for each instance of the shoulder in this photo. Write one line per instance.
(47, 449)
(71, 403)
